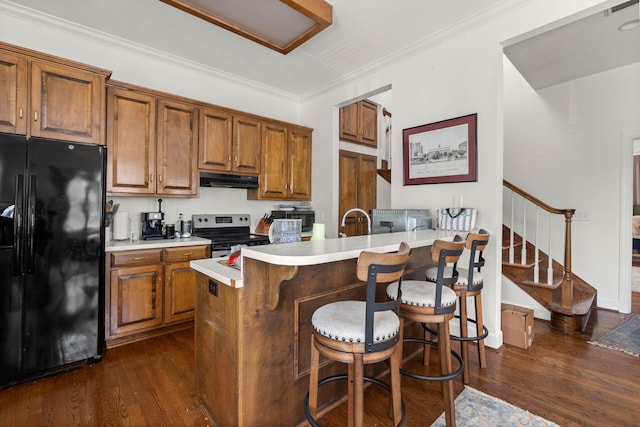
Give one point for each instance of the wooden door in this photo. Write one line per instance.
(66, 103)
(246, 145)
(215, 140)
(177, 156)
(369, 123)
(131, 142)
(273, 176)
(357, 189)
(349, 122)
(136, 299)
(299, 164)
(13, 94)
(179, 297)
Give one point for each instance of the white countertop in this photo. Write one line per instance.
(331, 250)
(128, 245)
(318, 252)
(222, 273)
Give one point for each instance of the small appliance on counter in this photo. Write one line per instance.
(392, 220)
(308, 217)
(151, 227)
(152, 224)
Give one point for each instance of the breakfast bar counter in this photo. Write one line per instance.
(253, 328)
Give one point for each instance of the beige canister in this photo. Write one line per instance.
(121, 225)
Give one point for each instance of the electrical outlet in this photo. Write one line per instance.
(581, 216)
(213, 288)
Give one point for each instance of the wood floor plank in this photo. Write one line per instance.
(562, 378)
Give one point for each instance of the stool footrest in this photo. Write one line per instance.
(451, 376)
(314, 422)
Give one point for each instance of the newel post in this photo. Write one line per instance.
(567, 282)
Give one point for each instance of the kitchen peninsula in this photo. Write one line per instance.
(253, 328)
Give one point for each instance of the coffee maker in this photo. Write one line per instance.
(152, 222)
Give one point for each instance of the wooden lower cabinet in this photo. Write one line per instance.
(150, 292)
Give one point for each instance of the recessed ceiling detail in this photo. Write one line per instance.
(281, 25)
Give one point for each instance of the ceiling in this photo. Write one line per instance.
(364, 34)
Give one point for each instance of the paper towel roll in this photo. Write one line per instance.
(317, 233)
(121, 226)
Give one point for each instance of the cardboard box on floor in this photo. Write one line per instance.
(517, 325)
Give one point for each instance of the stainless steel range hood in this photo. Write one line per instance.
(210, 179)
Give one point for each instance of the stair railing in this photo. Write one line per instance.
(518, 219)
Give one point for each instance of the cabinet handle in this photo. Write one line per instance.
(236, 159)
(20, 113)
(138, 258)
(160, 178)
(229, 157)
(188, 254)
(35, 116)
(150, 177)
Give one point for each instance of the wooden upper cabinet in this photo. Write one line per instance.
(131, 142)
(215, 142)
(50, 97)
(299, 168)
(152, 143)
(247, 139)
(66, 103)
(273, 178)
(13, 94)
(177, 148)
(359, 123)
(286, 163)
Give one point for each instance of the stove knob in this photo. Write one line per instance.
(206, 220)
(199, 219)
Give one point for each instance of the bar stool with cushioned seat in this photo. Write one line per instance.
(434, 303)
(359, 333)
(470, 284)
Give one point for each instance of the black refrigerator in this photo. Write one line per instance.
(51, 256)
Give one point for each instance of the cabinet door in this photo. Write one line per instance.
(13, 94)
(357, 189)
(274, 180)
(348, 196)
(369, 123)
(135, 299)
(246, 145)
(299, 164)
(349, 122)
(66, 103)
(179, 302)
(215, 140)
(131, 142)
(177, 156)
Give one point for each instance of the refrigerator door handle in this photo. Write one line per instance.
(18, 250)
(31, 215)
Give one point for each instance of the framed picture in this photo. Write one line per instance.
(440, 152)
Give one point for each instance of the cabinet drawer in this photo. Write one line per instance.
(130, 258)
(186, 253)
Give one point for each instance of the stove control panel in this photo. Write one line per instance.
(220, 220)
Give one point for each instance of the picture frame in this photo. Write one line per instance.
(441, 152)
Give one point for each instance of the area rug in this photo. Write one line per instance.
(625, 337)
(474, 408)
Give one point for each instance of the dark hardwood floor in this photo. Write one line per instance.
(151, 383)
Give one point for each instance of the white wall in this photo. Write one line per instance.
(563, 145)
(455, 77)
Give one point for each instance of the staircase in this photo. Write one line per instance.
(529, 244)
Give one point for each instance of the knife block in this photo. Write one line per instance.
(262, 227)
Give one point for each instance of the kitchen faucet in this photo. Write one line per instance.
(344, 217)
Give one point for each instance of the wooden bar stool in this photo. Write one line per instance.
(434, 303)
(359, 333)
(470, 284)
